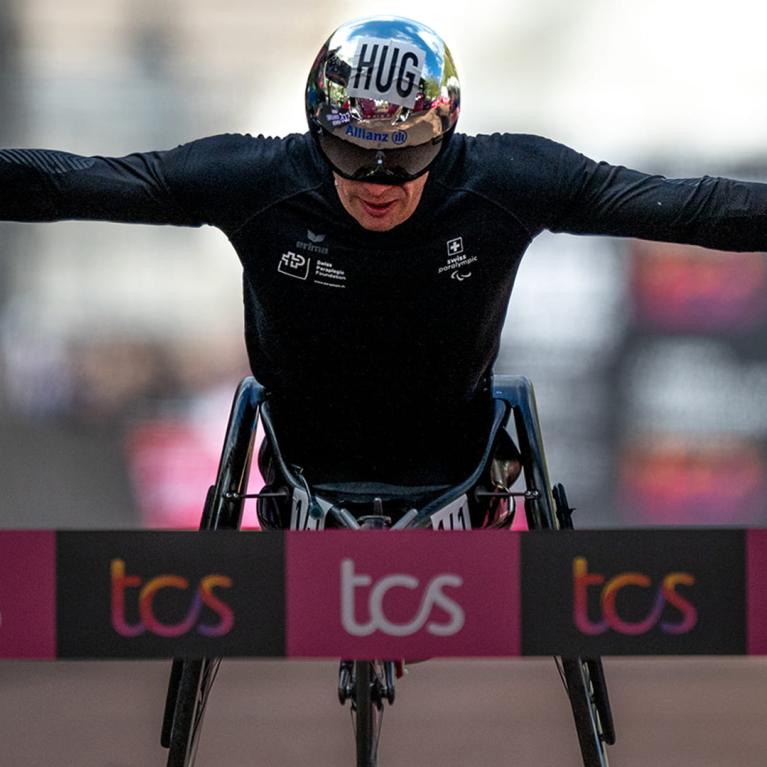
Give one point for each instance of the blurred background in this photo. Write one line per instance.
(120, 346)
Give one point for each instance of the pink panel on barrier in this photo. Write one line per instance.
(417, 594)
(756, 592)
(28, 594)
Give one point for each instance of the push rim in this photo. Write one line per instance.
(367, 712)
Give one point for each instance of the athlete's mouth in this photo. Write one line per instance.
(378, 208)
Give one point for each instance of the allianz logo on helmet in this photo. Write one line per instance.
(398, 137)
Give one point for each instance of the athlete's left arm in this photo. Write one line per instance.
(598, 198)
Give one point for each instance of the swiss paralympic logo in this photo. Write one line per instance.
(449, 620)
(683, 621)
(202, 595)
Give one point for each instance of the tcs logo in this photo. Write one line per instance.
(451, 613)
(202, 595)
(667, 594)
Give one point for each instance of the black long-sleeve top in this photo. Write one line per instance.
(376, 347)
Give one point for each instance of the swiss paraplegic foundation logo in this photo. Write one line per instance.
(294, 265)
(322, 271)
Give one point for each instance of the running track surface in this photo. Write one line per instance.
(696, 712)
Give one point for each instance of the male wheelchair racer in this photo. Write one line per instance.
(484, 499)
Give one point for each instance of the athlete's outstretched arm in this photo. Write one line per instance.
(46, 185)
(217, 181)
(547, 185)
(713, 212)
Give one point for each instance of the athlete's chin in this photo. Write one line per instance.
(379, 223)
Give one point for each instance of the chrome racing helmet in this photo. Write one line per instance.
(382, 99)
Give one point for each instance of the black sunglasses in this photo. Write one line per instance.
(386, 166)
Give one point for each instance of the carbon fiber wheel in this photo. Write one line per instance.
(593, 734)
(185, 709)
(367, 710)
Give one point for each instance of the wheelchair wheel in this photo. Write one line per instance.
(191, 679)
(367, 710)
(585, 680)
(584, 689)
(188, 690)
(601, 699)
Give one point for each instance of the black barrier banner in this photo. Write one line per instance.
(618, 592)
(149, 594)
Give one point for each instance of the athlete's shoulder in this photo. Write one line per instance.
(523, 174)
(238, 156)
(234, 174)
(504, 155)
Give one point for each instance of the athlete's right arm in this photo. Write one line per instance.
(210, 181)
(45, 185)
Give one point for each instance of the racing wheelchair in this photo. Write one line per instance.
(487, 497)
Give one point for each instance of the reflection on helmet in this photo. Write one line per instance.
(382, 84)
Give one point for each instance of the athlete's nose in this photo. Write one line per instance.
(376, 190)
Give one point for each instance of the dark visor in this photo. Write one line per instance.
(389, 166)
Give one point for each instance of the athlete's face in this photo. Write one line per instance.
(380, 207)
